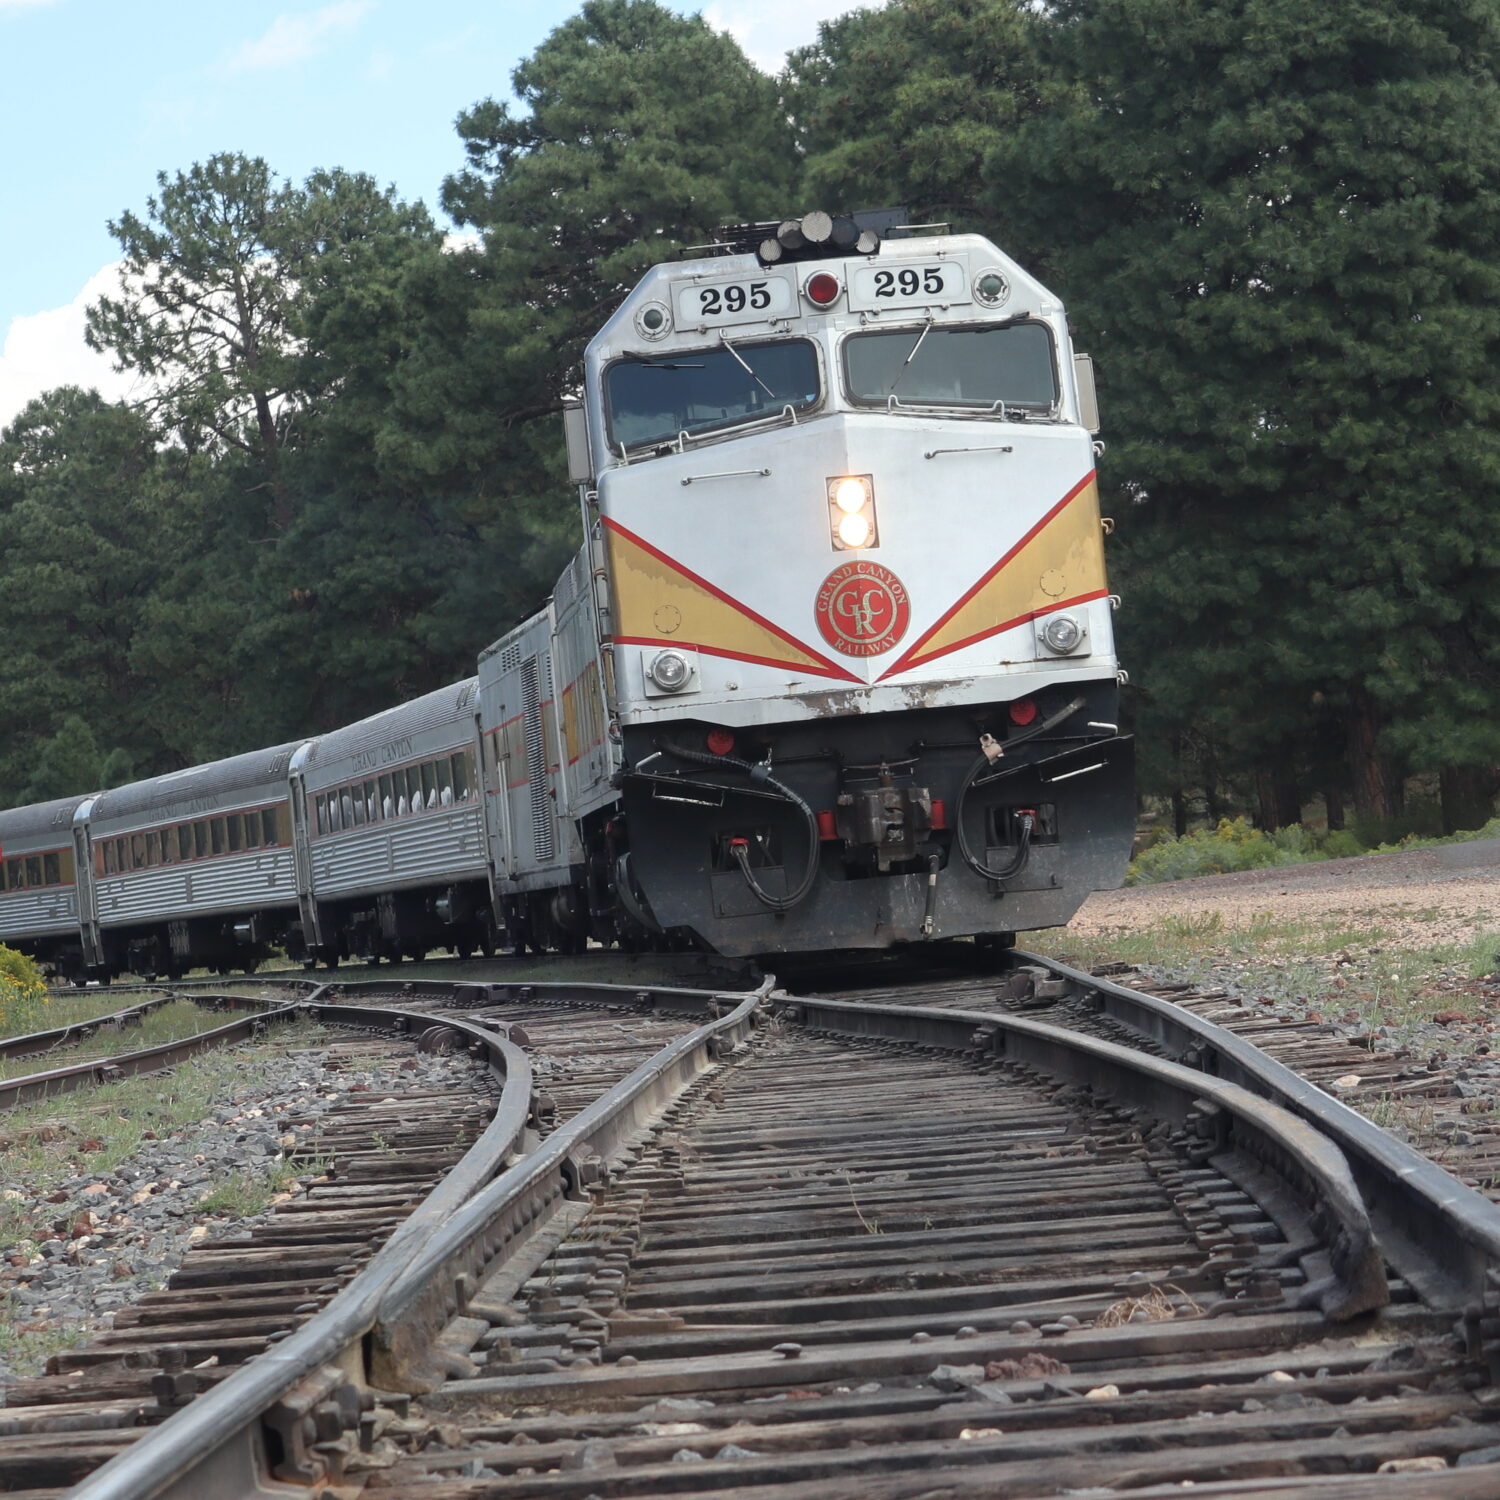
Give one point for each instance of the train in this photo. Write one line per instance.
(833, 667)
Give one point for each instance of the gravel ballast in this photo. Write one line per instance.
(111, 1236)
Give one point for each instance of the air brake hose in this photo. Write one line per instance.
(1026, 819)
(739, 849)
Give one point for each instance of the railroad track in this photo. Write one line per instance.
(892, 1249)
(376, 1159)
(847, 1266)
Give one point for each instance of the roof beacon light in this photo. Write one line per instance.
(822, 289)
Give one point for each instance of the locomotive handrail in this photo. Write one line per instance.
(728, 474)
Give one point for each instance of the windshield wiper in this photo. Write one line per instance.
(746, 368)
(921, 338)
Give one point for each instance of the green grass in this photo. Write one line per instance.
(168, 1023)
(242, 1195)
(1234, 845)
(1363, 974)
(28, 1339)
(58, 1141)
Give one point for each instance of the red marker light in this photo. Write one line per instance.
(828, 825)
(720, 741)
(1023, 711)
(939, 813)
(822, 288)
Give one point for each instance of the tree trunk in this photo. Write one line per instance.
(1468, 796)
(1377, 789)
(1280, 802)
(1268, 810)
(1333, 800)
(1179, 812)
(1210, 764)
(1288, 797)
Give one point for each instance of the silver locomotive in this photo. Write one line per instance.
(832, 669)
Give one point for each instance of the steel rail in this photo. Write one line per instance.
(1226, 1117)
(490, 992)
(77, 1031)
(218, 1445)
(98, 1070)
(1441, 1236)
(285, 1418)
(574, 1156)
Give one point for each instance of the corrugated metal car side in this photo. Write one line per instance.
(39, 913)
(231, 883)
(439, 847)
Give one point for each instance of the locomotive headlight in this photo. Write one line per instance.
(854, 530)
(851, 512)
(1062, 634)
(670, 671)
(851, 495)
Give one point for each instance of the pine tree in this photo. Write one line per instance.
(904, 103)
(1277, 225)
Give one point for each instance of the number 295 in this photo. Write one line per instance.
(909, 282)
(733, 298)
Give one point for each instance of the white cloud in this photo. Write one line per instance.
(769, 29)
(46, 349)
(295, 38)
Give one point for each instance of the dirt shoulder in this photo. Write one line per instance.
(1417, 900)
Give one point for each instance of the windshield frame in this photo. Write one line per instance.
(729, 347)
(931, 328)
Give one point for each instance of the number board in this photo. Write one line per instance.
(909, 284)
(718, 302)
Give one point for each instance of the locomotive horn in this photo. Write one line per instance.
(817, 227)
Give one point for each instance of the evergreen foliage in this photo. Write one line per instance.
(905, 103)
(1275, 225)
(1278, 226)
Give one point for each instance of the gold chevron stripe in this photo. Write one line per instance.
(660, 602)
(1059, 561)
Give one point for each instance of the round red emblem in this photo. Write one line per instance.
(863, 609)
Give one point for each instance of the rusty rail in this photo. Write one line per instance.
(291, 1416)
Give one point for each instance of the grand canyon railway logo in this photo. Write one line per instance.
(862, 609)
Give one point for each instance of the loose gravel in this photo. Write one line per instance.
(1398, 951)
(1434, 896)
(117, 1234)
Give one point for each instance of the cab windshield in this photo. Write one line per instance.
(1004, 363)
(651, 399)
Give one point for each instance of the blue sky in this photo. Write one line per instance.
(97, 96)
